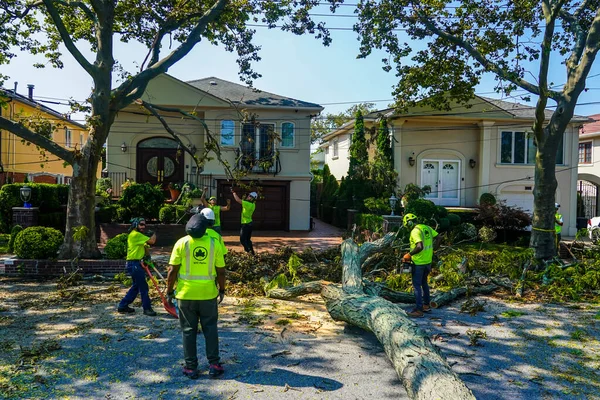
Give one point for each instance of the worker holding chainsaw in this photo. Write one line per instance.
(195, 262)
(423, 241)
(137, 249)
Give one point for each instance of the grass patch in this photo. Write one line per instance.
(579, 334)
(283, 322)
(512, 313)
(39, 351)
(474, 336)
(251, 313)
(597, 316)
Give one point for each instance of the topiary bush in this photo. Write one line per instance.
(442, 212)
(487, 199)
(487, 234)
(424, 209)
(167, 214)
(443, 224)
(377, 206)
(122, 214)
(142, 200)
(467, 231)
(38, 242)
(454, 219)
(13, 235)
(116, 248)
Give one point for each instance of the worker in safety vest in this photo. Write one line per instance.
(423, 240)
(137, 249)
(558, 223)
(212, 204)
(196, 260)
(210, 216)
(248, 207)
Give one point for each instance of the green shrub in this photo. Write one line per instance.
(142, 200)
(413, 192)
(424, 209)
(487, 199)
(371, 222)
(13, 235)
(442, 212)
(487, 234)
(467, 231)
(123, 214)
(443, 224)
(38, 242)
(107, 214)
(377, 206)
(501, 216)
(167, 214)
(116, 248)
(454, 219)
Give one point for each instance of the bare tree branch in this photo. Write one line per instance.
(66, 38)
(587, 57)
(580, 38)
(39, 140)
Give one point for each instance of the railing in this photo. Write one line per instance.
(254, 165)
(117, 179)
(586, 204)
(202, 181)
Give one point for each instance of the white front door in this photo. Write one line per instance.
(443, 176)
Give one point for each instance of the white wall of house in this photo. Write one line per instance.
(589, 168)
(338, 161)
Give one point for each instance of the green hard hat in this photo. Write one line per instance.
(407, 218)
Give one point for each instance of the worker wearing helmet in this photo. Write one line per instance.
(195, 264)
(212, 204)
(423, 240)
(558, 223)
(248, 207)
(210, 216)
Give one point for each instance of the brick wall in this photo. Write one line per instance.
(48, 268)
(166, 234)
(44, 179)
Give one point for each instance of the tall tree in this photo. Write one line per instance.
(45, 27)
(383, 176)
(469, 38)
(322, 125)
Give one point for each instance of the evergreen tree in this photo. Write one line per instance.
(359, 158)
(383, 176)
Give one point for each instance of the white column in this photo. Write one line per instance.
(485, 157)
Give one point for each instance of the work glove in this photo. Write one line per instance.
(170, 299)
(221, 296)
(406, 258)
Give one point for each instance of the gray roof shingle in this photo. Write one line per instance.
(240, 94)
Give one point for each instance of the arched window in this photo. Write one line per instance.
(227, 132)
(287, 134)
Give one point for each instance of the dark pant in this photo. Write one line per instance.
(205, 311)
(134, 268)
(419, 281)
(246, 236)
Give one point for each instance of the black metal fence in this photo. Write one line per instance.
(202, 181)
(587, 195)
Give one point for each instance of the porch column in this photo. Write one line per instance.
(485, 157)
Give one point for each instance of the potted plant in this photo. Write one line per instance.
(175, 189)
(196, 197)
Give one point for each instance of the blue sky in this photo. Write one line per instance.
(298, 67)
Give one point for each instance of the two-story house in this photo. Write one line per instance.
(264, 137)
(589, 168)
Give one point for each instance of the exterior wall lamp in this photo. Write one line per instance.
(25, 193)
(472, 163)
(394, 199)
(411, 161)
(124, 147)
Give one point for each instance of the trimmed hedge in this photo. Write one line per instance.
(38, 242)
(371, 222)
(116, 248)
(48, 197)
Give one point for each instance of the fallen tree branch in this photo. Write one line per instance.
(422, 369)
(301, 289)
(443, 298)
(381, 290)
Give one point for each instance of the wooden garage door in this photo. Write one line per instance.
(271, 212)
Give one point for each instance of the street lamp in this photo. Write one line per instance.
(393, 201)
(25, 193)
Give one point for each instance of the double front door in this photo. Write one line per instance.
(159, 162)
(443, 176)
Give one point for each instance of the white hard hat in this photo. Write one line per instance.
(254, 194)
(556, 205)
(208, 214)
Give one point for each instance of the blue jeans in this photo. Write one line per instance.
(134, 268)
(419, 281)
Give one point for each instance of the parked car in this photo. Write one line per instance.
(593, 227)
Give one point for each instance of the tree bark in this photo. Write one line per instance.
(294, 291)
(419, 365)
(379, 289)
(444, 298)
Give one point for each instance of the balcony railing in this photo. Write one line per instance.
(255, 165)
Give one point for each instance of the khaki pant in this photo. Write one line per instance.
(205, 311)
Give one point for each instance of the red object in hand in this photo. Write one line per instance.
(406, 257)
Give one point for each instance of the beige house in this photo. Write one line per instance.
(589, 167)
(469, 151)
(262, 135)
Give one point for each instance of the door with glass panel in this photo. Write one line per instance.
(443, 177)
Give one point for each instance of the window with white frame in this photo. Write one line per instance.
(585, 153)
(520, 148)
(258, 141)
(287, 134)
(67, 137)
(227, 132)
(327, 150)
(335, 148)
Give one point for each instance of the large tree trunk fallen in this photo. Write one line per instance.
(443, 298)
(301, 289)
(381, 290)
(419, 365)
(421, 368)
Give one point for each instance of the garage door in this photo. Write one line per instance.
(272, 207)
(521, 200)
